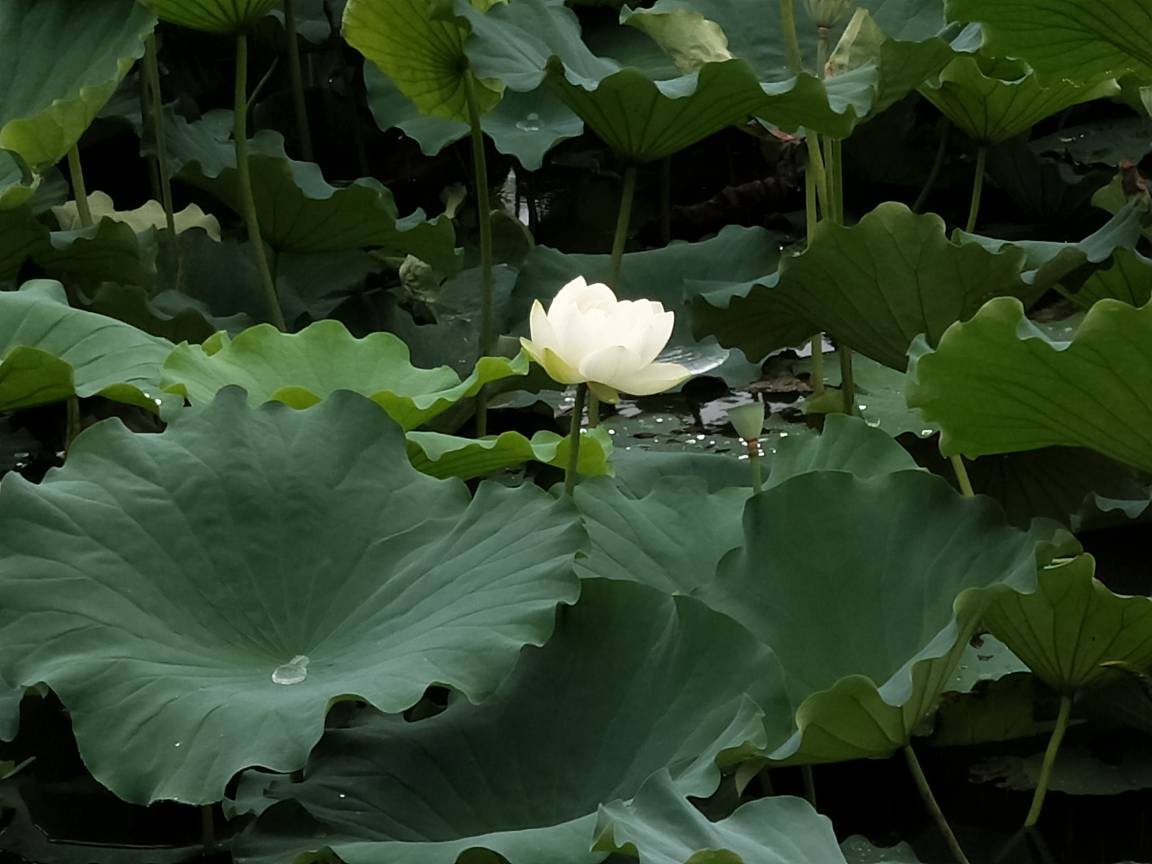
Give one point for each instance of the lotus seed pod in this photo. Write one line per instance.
(747, 420)
(827, 13)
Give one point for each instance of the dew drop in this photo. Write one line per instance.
(862, 407)
(874, 423)
(925, 432)
(292, 672)
(531, 123)
(178, 744)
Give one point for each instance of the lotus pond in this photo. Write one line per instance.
(544, 432)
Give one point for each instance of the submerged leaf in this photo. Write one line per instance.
(218, 16)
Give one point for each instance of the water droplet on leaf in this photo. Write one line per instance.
(531, 123)
(292, 672)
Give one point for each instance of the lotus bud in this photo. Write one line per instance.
(587, 336)
(828, 13)
(747, 420)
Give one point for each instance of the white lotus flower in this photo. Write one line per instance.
(588, 336)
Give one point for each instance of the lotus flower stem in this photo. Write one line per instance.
(961, 472)
(244, 176)
(303, 132)
(623, 220)
(847, 380)
(821, 50)
(593, 410)
(811, 216)
(484, 220)
(791, 40)
(937, 166)
(79, 190)
(755, 463)
(1049, 760)
(160, 140)
(933, 805)
(573, 470)
(977, 188)
(819, 174)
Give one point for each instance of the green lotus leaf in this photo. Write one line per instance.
(873, 286)
(51, 352)
(466, 458)
(846, 444)
(632, 682)
(899, 570)
(523, 125)
(216, 16)
(1051, 263)
(880, 398)
(876, 58)
(60, 61)
(1000, 384)
(1072, 626)
(671, 539)
(108, 251)
(660, 827)
(422, 52)
(991, 101)
(299, 210)
(17, 183)
(301, 369)
(1127, 278)
(186, 649)
(673, 535)
(1081, 40)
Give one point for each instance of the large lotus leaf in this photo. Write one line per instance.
(882, 53)
(632, 682)
(870, 617)
(1072, 625)
(846, 444)
(638, 472)
(673, 536)
(245, 568)
(217, 16)
(671, 539)
(299, 210)
(1080, 40)
(60, 61)
(992, 101)
(422, 52)
(641, 117)
(873, 286)
(451, 456)
(660, 827)
(524, 125)
(51, 352)
(301, 369)
(1000, 384)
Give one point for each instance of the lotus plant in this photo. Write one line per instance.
(593, 340)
